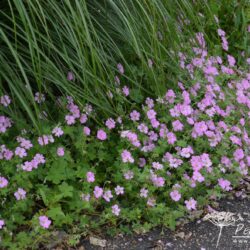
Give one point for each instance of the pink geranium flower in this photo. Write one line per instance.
(175, 195)
(125, 90)
(44, 221)
(90, 176)
(127, 157)
(191, 204)
(116, 210)
(2, 223)
(110, 123)
(60, 151)
(20, 194)
(120, 68)
(98, 192)
(86, 131)
(101, 135)
(3, 182)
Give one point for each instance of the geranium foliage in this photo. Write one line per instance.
(143, 168)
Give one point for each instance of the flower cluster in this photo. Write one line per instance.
(164, 156)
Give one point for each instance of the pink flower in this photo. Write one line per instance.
(155, 123)
(5, 100)
(191, 204)
(39, 97)
(90, 176)
(120, 68)
(57, 131)
(142, 162)
(177, 125)
(221, 32)
(20, 194)
(98, 192)
(143, 128)
(171, 138)
(85, 197)
(150, 63)
(39, 158)
(144, 193)
(157, 181)
(197, 176)
(151, 114)
(226, 161)
(3, 182)
(127, 157)
(88, 109)
(110, 123)
(224, 184)
(231, 60)
(199, 129)
(44, 221)
(21, 152)
(5, 123)
(116, 210)
(238, 154)
(210, 70)
(117, 80)
(74, 109)
(43, 140)
(110, 94)
(119, 120)
(206, 160)
(151, 202)
(224, 43)
(129, 175)
(152, 135)
(134, 115)
(107, 196)
(83, 118)
(235, 140)
(186, 152)
(119, 190)
(27, 166)
(60, 151)
(26, 143)
(70, 76)
(175, 195)
(157, 165)
(70, 119)
(8, 154)
(200, 39)
(86, 131)
(196, 163)
(149, 102)
(125, 90)
(170, 96)
(186, 109)
(2, 223)
(101, 135)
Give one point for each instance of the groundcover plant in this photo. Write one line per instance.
(144, 168)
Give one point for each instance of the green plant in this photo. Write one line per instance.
(145, 168)
(42, 41)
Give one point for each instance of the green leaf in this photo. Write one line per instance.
(66, 190)
(59, 171)
(135, 94)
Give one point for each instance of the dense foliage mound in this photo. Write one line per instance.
(146, 167)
